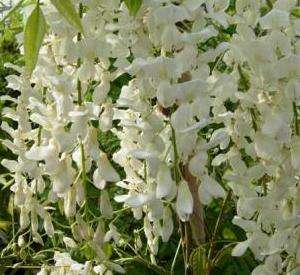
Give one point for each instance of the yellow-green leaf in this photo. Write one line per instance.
(296, 12)
(198, 261)
(5, 224)
(68, 11)
(35, 30)
(133, 6)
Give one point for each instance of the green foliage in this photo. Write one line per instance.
(244, 82)
(68, 11)
(9, 53)
(228, 234)
(117, 85)
(229, 265)
(34, 33)
(295, 12)
(198, 261)
(133, 6)
(12, 11)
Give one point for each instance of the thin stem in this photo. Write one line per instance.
(219, 254)
(52, 250)
(176, 157)
(78, 176)
(216, 229)
(182, 226)
(253, 116)
(79, 95)
(145, 172)
(121, 210)
(3, 252)
(79, 92)
(39, 135)
(296, 118)
(187, 246)
(265, 190)
(83, 174)
(13, 220)
(158, 269)
(219, 59)
(80, 15)
(23, 266)
(61, 225)
(79, 86)
(175, 257)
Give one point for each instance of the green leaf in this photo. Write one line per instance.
(228, 234)
(89, 252)
(12, 11)
(5, 224)
(133, 6)
(296, 12)
(198, 261)
(108, 250)
(35, 30)
(68, 11)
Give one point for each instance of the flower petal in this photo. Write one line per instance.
(184, 202)
(165, 183)
(240, 249)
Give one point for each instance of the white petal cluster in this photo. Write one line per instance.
(179, 119)
(54, 138)
(64, 264)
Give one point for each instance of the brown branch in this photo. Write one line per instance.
(196, 218)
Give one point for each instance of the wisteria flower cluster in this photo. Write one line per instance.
(210, 111)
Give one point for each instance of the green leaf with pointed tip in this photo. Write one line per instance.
(34, 32)
(133, 6)
(68, 11)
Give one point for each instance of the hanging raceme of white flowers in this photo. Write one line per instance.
(177, 119)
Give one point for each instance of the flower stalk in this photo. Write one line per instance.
(296, 119)
(215, 232)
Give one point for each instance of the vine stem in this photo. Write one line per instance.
(79, 87)
(157, 269)
(183, 227)
(176, 157)
(253, 116)
(177, 179)
(188, 244)
(79, 95)
(80, 101)
(175, 257)
(216, 229)
(219, 253)
(296, 118)
(83, 176)
(13, 220)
